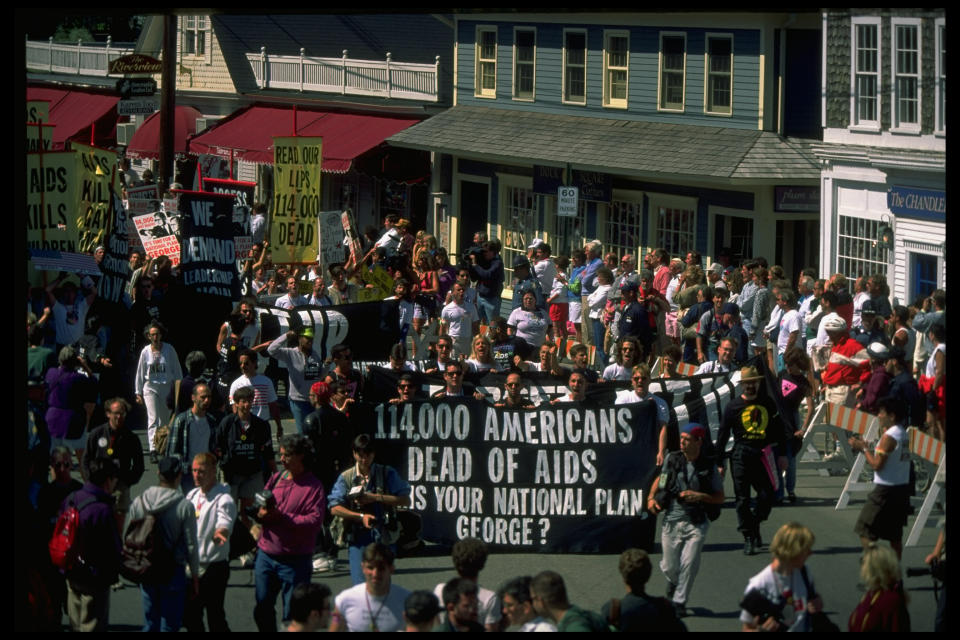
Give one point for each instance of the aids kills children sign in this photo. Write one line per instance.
(207, 252)
(51, 200)
(293, 229)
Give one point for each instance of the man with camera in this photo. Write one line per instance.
(290, 509)
(486, 267)
(364, 501)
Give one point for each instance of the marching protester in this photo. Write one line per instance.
(157, 370)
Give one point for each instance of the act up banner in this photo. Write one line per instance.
(207, 253)
(97, 180)
(296, 202)
(51, 201)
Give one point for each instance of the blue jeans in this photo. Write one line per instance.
(163, 603)
(488, 308)
(273, 574)
(598, 332)
(300, 410)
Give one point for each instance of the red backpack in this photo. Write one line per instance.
(65, 548)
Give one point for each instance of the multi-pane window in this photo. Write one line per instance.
(524, 47)
(622, 232)
(672, 65)
(858, 253)
(676, 230)
(575, 67)
(520, 225)
(719, 89)
(616, 53)
(866, 74)
(486, 81)
(941, 76)
(569, 232)
(194, 35)
(906, 84)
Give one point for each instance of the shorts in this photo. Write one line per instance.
(885, 513)
(558, 314)
(246, 486)
(121, 496)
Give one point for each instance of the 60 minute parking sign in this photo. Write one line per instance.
(567, 201)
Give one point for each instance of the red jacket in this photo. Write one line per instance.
(848, 361)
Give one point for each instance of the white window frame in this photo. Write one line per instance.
(895, 73)
(532, 63)
(608, 100)
(855, 121)
(658, 201)
(707, 73)
(683, 73)
(478, 90)
(565, 97)
(856, 252)
(196, 30)
(940, 124)
(556, 238)
(529, 228)
(631, 199)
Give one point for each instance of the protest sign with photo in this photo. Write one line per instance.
(97, 180)
(296, 204)
(145, 199)
(157, 236)
(208, 254)
(51, 201)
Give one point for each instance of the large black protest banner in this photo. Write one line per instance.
(115, 265)
(207, 253)
(368, 328)
(559, 478)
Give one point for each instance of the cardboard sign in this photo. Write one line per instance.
(51, 201)
(157, 236)
(208, 255)
(39, 136)
(297, 180)
(115, 265)
(98, 181)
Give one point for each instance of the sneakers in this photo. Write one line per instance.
(792, 498)
(748, 547)
(323, 564)
(153, 457)
(247, 559)
(680, 610)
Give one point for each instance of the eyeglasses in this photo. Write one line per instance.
(452, 373)
(512, 384)
(640, 379)
(405, 386)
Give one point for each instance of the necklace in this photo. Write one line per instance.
(374, 616)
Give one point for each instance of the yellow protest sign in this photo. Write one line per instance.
(381, 281)
(38, 111)
(96, 178)
(51, 199)
(39, 136)
(296, 204)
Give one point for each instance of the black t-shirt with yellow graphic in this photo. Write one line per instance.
(756, 423)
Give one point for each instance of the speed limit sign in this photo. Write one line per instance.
(567, 201)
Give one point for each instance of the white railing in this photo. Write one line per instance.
(346, 76)
(90, 59)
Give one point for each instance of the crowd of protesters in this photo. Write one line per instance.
(95, 370)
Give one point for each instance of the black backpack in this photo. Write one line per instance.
(145, 557)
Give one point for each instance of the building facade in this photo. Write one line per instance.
(884, 147)
(683, 131)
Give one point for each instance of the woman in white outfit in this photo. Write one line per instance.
(157, 370)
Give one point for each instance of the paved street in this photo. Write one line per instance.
(593, 579)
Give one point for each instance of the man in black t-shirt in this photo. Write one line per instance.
(753, 421)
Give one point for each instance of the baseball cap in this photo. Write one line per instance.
(536, 243)
(520, 261)
(878, 351)
(868, 307)
(694, 430)
(835, 323)
(306, 332)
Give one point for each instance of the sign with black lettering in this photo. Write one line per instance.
(293, 229)
(39, 136)
(97, 181)
(115, 265)
(207, 253)
(51, 200)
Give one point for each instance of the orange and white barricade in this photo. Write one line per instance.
(834, 419)
(932, 454)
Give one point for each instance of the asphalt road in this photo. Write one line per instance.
(592, 579)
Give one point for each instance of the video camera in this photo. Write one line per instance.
(261, 499)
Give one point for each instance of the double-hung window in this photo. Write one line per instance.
(865, 78)
(719, 80)
(616, 57)
(194, 30)
(673, 63)
(524, 55)
(486, 71)
(575, 67)
(906, 74)
(941, 64)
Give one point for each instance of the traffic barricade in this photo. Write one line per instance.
(930, 453)
(832, 419)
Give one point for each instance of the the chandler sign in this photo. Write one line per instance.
(135, 63)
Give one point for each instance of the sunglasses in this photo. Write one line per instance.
(405, 386)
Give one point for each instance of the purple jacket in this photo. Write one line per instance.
(99, 540)
(67, 391)
(302, 505)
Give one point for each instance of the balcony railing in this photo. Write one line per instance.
(346, 76)
(82, 59)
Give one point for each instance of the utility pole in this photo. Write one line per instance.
(168, 100)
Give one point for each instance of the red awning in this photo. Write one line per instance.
(249, 134)
(146, 140)
(74, 111)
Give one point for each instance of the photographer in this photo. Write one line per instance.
(364, 501)
(486, 268)
(290, 509)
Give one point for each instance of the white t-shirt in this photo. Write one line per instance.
(778, 589)
(459, 318)
(390, 240)
(284, 302)
(545, 271)
(789, 322)
(628, 396)
(361, 610)
(531, 326)
(69, 321)
(931, 370)
(896, 470)
(263, 393)
(488, 604)
(539, 624)
(617, 372)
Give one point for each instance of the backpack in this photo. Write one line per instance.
(145, 557)
(64, 546)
